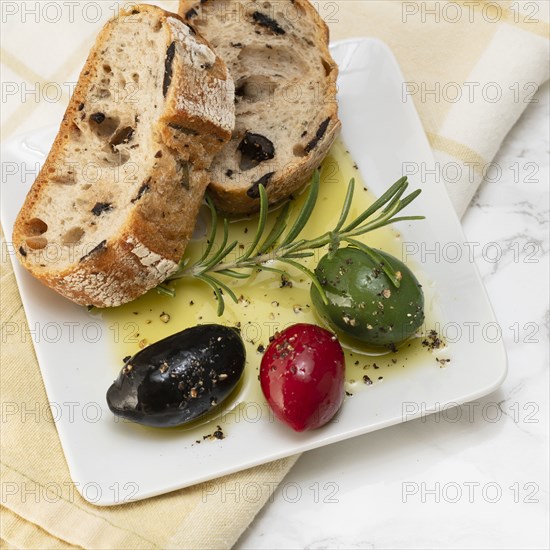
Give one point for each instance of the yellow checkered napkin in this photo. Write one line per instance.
(470, 67)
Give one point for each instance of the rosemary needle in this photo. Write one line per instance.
(284, 246)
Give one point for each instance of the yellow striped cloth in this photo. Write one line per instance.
(471, 68)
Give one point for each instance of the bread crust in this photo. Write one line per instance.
(289, 180)
(153, 237)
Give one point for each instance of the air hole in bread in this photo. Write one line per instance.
(37, 243)
(63, 175)
(103, 126)
(279, 61)
(183, 173)
(299, 150)
(107, 68)
(35, 226)
(64, 178)
(73, 236)
(256, 88)
(326, 65)
(103, 93)
(115, 157)
(122, 136)
(135, 77)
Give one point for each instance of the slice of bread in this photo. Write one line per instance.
(116, 201)
(285, 80)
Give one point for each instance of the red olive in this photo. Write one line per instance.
(302, 376)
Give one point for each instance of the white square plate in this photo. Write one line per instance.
(111, 463)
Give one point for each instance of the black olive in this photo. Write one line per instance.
(254, 190)
(142, 190)
(101, 207)
(180, 378)
(318, 136)
(170, 53)
(267, 22)
(98, 118)
(254, 149)
(99, 248)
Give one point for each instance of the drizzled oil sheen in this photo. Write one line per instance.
(265, 306)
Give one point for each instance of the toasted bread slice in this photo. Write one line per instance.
(115, 203)
(285, 80)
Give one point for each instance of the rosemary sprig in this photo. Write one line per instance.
(283, 246)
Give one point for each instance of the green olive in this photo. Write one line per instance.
(362, 300)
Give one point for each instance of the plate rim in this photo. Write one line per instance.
(72, 464)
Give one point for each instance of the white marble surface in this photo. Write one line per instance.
(475, 477)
